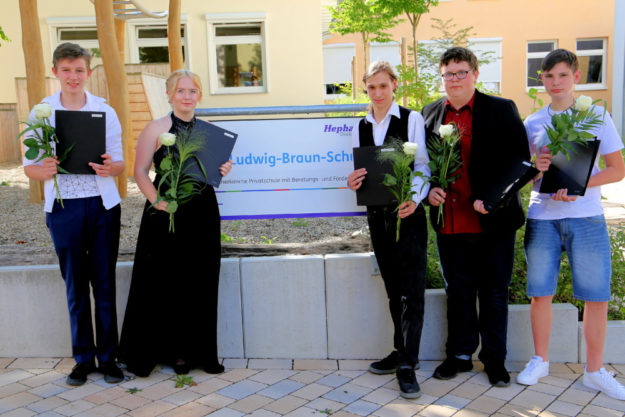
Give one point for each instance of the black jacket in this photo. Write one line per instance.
(498, 139)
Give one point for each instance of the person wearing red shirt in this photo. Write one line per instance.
(476, 248)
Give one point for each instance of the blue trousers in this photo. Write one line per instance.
(477, 266)
(86, 240)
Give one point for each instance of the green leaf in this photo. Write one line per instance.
(165, 164)
(32, 153)
(31, 143)
(172, 206)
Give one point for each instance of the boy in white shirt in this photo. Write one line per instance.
(85, 231)
(572, 223)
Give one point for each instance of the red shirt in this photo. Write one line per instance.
(460, 217)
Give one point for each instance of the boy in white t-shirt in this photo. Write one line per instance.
(575, 224)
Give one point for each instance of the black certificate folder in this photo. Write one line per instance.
(571, 174)
(516, 176)
(216, 150)
(372, 192)
(85, 133)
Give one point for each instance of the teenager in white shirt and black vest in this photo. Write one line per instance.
(402, 264)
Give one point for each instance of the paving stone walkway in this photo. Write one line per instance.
(309, 388)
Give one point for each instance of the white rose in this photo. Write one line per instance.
(410, 148)
(446, 130)
(42, 110)
(167, 138)
(583, 103)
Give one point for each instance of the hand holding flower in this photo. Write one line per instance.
(436, 197)
(406, 208)
(48, 167)
(543, 160)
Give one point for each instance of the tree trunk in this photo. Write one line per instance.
(173, 36)
(35, 70)
(115, 78)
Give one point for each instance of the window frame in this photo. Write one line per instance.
(134, 43)
(603, 85)
(529, 55)
(214, 20)
(472, 42)
(57, 24)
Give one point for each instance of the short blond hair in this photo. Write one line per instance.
(379, 66)
(174, 77)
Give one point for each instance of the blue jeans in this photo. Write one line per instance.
(86, 240)
(477, 266)
(587, 246)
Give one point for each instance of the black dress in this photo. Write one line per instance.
(172, 304)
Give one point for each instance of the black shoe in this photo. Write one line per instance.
(451, 366)
(181, 368)
(79, 373)
(112, 373)
(497, 373)
(408, 386)
(213, 368)
(385, 366)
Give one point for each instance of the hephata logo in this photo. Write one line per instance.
(343, 130)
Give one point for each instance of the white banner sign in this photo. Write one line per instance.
(289, 168)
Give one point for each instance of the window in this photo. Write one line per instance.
(536, 51)
(151, 44)
(237, 61)
(337, 67)
(80, 30)
(592, 56)
(488, 50)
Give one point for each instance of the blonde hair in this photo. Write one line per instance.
(379, 66)
(174, 77)
(374, 68)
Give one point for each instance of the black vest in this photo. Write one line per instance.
(397, 128)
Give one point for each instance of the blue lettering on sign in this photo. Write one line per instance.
(344, 130)
(339, 157)
(290, 158)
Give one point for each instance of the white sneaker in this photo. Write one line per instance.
(535, 369)
(604, 381)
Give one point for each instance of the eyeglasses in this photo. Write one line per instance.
(460, 75)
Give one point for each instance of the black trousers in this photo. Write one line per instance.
(402, 266)
(477, 266)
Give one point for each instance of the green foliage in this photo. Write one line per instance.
(445, 160)
(571, 127)
(367, 17)
(421, 83)
(399, 183)
(5, 183)
(300, 223)
(182, 380)
(268, 241)
(176, 185)
(226, 238)
(3, 36)
(38, 144)
(133, 390)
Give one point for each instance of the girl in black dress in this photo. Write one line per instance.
(171, 316)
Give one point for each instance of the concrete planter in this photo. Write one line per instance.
(331, 306)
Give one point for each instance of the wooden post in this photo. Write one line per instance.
(354, 84)
(173, 36)
(35, 70)
(120, 34)
(115, 78)
(403, 51)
